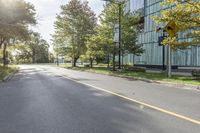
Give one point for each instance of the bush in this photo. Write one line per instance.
(196, 73)
(127, 66)
(86, 65)
(136, 69)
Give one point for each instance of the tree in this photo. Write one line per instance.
(23, 53)
(32, 42)
(33, 50)
(51, 58)
(74, 24)
(108, 19)
(15, 16)
(186, 15)
(42, 54)
(130, 33)
(39, 48)
(95, 48)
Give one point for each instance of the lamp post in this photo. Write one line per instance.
(119, 3)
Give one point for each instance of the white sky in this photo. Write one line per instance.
(47, 10)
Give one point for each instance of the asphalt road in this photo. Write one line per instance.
(40, 100)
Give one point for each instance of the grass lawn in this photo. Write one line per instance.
(152, 76)
(4, 71)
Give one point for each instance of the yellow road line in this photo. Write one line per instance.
(139, 102)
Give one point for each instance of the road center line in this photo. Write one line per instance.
(139, 102)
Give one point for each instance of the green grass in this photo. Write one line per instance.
(4, 71)
(175, 79)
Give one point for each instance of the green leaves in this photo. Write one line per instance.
(37, 47)
(77, 33)
(73, 25)
(129, 24)
(129, 34)
(95, 47)
(15, 16)
(101, 44)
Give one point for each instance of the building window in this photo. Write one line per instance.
(136, 5)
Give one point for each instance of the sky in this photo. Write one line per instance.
(47, 10)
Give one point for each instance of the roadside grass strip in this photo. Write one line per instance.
(5, 71)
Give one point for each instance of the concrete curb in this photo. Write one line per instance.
(169, 84)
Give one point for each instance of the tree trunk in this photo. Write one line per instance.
(33, 57)
(74, 62)
(91, 63)
(1, 41)
(108, 61)
(122, 66)
(1, 44)
(114, 61)
(4, 54)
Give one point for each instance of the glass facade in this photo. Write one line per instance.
(149, 39)
(136, 4)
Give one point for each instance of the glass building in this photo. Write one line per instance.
(148, 38)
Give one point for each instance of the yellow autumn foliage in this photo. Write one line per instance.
(186, 15)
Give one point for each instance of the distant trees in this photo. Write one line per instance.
(15, 16)
(42, 56)
(23, 53)
(73, 25)
(33, 50)
(39, 48)
(78, 34)
(186, 15)
(27, 46)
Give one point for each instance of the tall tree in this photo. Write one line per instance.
(130, 25)
(108, 19)
(15, 16)
(186, 16)
(73, 25)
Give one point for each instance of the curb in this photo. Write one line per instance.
(169, 84)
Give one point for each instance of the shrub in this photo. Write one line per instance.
(127, 66)
(196, 73)
(136, 69)
(86, 65)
